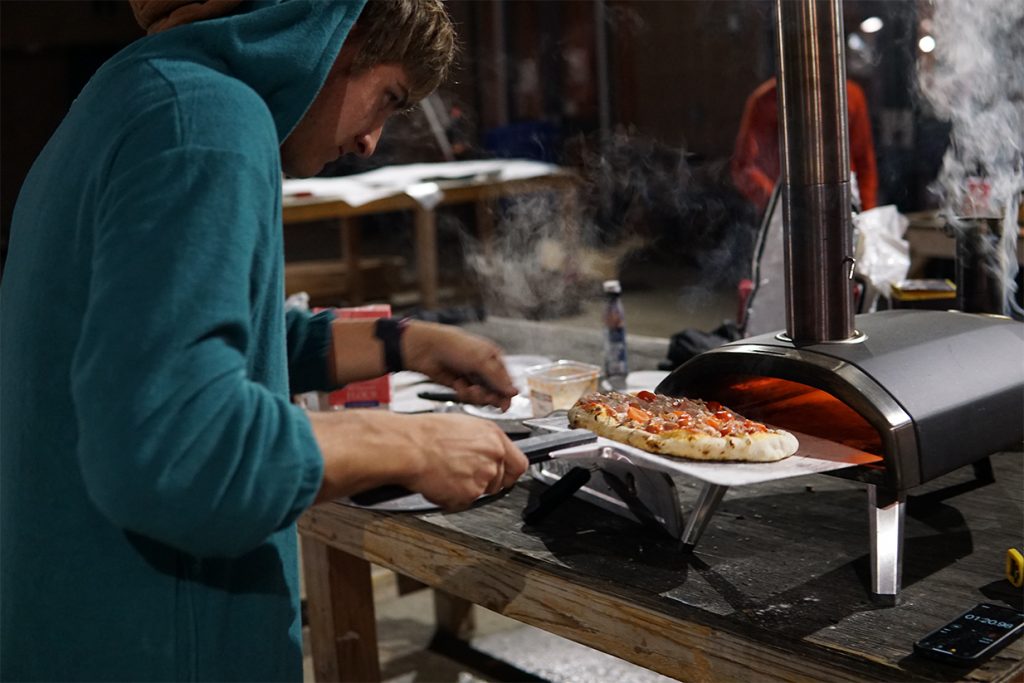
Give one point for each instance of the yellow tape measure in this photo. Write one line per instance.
(1015, 567)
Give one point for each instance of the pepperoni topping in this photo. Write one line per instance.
(637, 414)
(658, 414)
(683, 419)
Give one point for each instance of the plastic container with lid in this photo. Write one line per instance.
(557, 386)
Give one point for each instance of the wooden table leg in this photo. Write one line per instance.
(485, 225)
(569, 201)
(453, 616)
(426, 256)
(349, 228)
(342, 623)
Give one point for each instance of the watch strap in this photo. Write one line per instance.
(389, 332)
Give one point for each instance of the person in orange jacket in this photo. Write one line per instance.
(755, 161)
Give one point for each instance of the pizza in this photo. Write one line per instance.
(680, 427)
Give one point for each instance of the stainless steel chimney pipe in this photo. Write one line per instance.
(815, 155)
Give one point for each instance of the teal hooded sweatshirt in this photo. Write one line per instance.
(151, 464)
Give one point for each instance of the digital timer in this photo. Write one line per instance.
(975, 634)
(971, 616)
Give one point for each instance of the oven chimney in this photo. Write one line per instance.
(815, 155)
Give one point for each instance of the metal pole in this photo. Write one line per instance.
(604, 109)
(499, 56)
(815, 159)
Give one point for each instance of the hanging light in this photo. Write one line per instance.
(872, 25)
(926, 44)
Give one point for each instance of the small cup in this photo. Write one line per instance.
(558, 385)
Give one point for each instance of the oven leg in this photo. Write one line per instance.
(886, 510)
(983, 472)
(697, 521)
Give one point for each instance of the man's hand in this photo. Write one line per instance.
(451, 459)
(469, 364)
(463, 458)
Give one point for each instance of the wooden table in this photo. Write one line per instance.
(929, 238)
(482, 193)
(776, 590)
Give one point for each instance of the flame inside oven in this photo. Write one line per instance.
(799, 407)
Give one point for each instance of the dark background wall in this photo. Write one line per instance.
(529, 82)
(48, 50)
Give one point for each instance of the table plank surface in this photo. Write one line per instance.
(776, 590)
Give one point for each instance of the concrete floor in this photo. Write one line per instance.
(661, 298)
(663, 311)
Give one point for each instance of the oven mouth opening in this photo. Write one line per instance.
(798, 407)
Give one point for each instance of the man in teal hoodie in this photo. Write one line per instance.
(152, 463)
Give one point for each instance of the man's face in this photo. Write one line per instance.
(346, 117)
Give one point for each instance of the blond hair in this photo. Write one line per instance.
(416, 34)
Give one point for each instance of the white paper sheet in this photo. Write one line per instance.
(389, 181)
(814, 456)
(405, 399)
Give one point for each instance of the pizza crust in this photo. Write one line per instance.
(759, 447)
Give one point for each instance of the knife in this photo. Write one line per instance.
(444, 396)
(451, 396)
(537, 449)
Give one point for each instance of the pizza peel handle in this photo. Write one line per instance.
(536, 449)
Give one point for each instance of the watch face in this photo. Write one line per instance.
(973, 632)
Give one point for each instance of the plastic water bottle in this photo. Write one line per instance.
(615, 366)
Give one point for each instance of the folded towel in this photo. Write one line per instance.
(160, 15)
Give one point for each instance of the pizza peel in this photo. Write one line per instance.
(814, 456)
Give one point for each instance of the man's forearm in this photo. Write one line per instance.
(361, 449)
(356, 354)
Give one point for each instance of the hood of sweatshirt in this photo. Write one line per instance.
(282, 49)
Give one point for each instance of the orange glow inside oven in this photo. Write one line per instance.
(799, 407)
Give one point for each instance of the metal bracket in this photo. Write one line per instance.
(710, 496)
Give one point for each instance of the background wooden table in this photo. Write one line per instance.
(777, 589)
(484, 194)
(929, 239)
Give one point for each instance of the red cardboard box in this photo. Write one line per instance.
(372, 393)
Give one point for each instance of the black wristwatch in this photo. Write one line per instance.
(389, 331)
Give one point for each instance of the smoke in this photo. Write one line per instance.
(974, 80)
(527, 269)
(636, 198)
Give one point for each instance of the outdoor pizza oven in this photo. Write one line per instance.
(929, 391)
(918, 393)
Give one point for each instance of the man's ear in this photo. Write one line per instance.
(344, 64)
